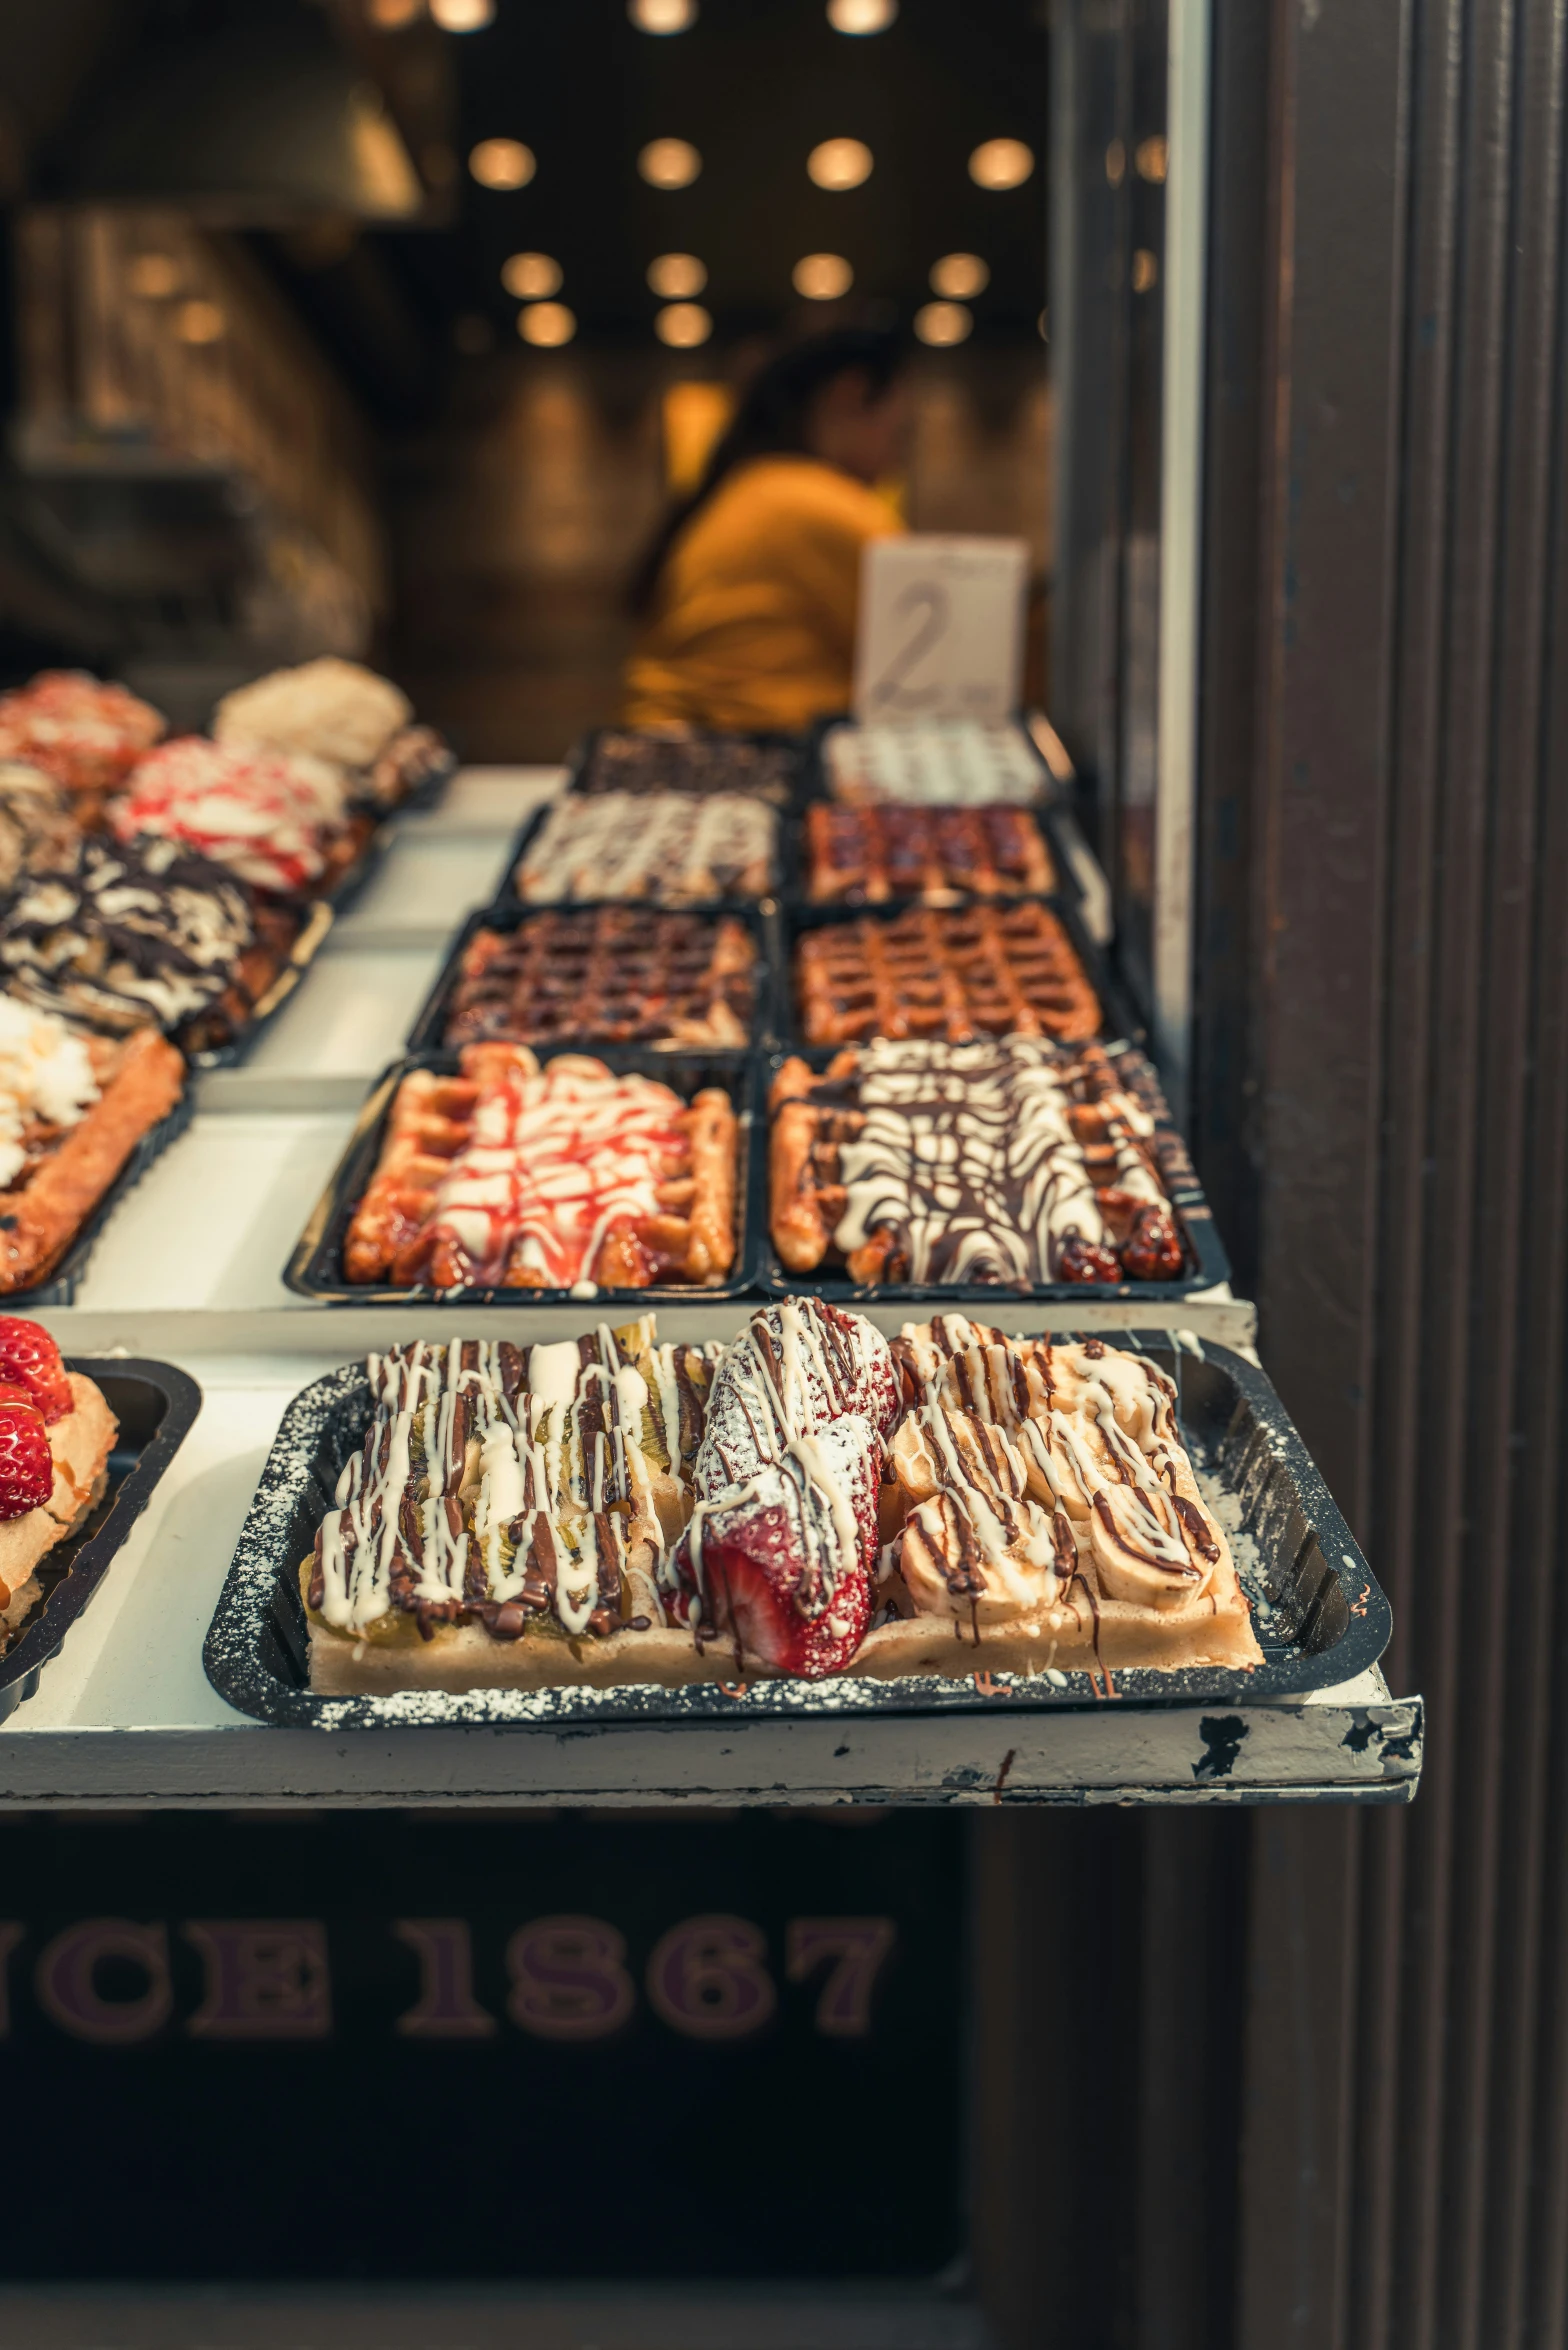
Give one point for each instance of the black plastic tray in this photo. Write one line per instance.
(156, 1406)
(535, 820)
(1207, 1261)
(315, 1270)
(60, 1287)
(428, 1034)
(1320, 1616)
(768, 739)
(1120, 1019)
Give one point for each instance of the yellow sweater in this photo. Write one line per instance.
(754, 626)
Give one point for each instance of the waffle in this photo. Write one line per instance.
(1008, 1161)
(859, 856)
(86, 734)
(513, 1176)
(613, 975)
(671, 847)
(623, 761)
(952, 972)
(72, 1110)
(809, 1500)
(944, 763)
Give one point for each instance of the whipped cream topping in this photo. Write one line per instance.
(670, 846)
(329, 708)
(45, 1075)
(261, 813)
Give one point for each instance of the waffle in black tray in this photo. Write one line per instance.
(917, 1168)
(951, 971)
(611, 974)
(655, 848)
(867, 856)
(637, 759)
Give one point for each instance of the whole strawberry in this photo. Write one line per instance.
(26, 1463)
(30, 1359)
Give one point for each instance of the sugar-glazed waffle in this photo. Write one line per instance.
(610, 975)
(860, 856)
(675, 848)
(954, 972)
(516, 1176)
(1009, 1160)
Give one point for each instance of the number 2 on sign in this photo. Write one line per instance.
(928, 605)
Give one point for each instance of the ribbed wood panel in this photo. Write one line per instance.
(1401, 1127)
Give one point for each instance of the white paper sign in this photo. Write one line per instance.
(941, 628)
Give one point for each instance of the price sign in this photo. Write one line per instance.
(941, 628)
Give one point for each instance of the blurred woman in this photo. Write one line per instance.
(749, 594)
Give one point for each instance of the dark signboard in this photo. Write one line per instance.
(582, 2045)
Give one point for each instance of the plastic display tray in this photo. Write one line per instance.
(1320, 1615)
(315, 1270)
(506, 894)
(156, 1406)
(428, 1033)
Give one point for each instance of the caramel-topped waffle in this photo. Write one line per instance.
(1009, 1160)
(609, 975)
(861, 856)
(952, 972)
(516, 1176)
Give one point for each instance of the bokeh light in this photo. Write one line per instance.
(502, 163)
(839, 163)
(943, 323)
(530, 276)
(546, 324)
(1001, 163)
(822, 277)
(959, 276)
(683, 325)
(669, 163)
(675, 277)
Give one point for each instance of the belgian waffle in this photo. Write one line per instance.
(607, 974)
(672, 848)
(862, 855)
(1010, 1160)
(513, 1176)
(676, 761)
(954, 972)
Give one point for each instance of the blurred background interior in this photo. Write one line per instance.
(385, 327)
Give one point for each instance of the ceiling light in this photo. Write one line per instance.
(1151, 160)
(1001, 163)
(959, 276)
(683, 325)
(822, 277)
(548, 324)
(662, 16)
(677, 276)
(390, 16)
(530, 276)
(154, 276)
(669, 163)
(839, 163)
(463, 16)
(861, 16)
(199, 322)
(943, 323)
(502, 163)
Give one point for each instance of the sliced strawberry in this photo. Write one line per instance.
(26, 1463)
(29, 1358)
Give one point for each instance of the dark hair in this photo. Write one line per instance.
(771, 421)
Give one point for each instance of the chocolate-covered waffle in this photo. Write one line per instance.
(514, 1175)
(608, 975)
(1011, 1161)
(671, 848)
(677, 759)
(953, 972)
(862, 856)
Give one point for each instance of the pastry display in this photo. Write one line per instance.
(953, 972)
(612, 975)
(37, 827)
(123, 937)
(278, 820)
(857, 856)
(337, 711)
(72, 1109)
(86, 734)
(1010, 1161)
(674, 848)
(56, 1435)
(956, 762)
(810, 1500)
(621, 760)
(514, 1175)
